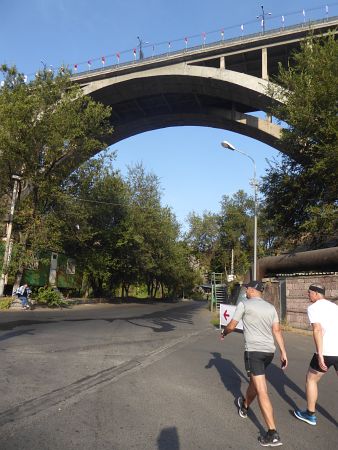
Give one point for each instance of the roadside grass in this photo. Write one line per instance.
(5, 303)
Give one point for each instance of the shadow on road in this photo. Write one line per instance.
(12, 334)
(168, 439)
(232, 379)
(280, 381)
(163, 320)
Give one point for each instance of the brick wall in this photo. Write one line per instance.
(297, 299)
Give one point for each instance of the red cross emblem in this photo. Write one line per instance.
(226, 315)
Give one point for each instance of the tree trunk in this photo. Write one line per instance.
(19, 272)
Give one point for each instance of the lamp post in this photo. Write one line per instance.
(141, 42)
(229, 146)
(8, 247)
(262, 17)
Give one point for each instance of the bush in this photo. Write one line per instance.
(5, 303)
(51, 297)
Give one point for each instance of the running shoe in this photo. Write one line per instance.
(242, 410)
(305, 416)
(270, 440)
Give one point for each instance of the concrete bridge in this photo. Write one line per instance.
(219, 85)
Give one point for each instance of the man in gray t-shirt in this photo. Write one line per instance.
(260, 327)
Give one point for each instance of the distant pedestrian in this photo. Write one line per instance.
(260, 327)
(23, 293)
(323, 316)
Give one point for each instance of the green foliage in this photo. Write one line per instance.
(5, 303)
(300, 190)
(203, 236)
(47, 128)
(51, 297)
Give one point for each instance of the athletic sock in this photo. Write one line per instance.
(310, 412)
(271, 432)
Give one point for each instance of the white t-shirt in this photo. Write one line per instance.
(326, 313)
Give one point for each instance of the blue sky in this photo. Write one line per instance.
(195, 172)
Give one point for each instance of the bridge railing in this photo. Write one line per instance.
(189, 50)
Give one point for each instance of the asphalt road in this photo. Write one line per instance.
(152, 376)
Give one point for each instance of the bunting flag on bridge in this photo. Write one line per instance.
(327, 11)
(75, 67)
(103, 60)
(134, 51)
(186, 42)
(242, 29)
(222, 34)
(118, 57)
(89, 64)
(169, 46)
(204, 36)
(304, 14)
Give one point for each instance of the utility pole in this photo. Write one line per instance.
(8, 246)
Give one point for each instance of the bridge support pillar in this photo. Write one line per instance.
(222, 62)
(265, 73)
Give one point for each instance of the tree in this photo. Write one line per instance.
(203, 236)
(236, 230)
(47, 128)
(300, 189)
(97, 200)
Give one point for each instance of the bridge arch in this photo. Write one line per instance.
(186, 95)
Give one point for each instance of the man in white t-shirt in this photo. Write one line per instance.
(323, 316)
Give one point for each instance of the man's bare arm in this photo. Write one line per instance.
(318, 338)
(277, 332)
(230, 327)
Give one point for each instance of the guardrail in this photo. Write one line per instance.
(168, 55)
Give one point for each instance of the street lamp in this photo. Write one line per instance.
(141, 42)
(229, 146)
(262, 17)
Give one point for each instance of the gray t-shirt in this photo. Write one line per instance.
(257, 316)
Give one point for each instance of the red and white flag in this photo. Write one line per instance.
(75, 67)
(134, 51)
(118, 57)
(103, 60)
(186, 42)
(204, 36)
(89, 64)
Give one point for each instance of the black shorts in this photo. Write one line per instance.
(329, 361)
(257, 362)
